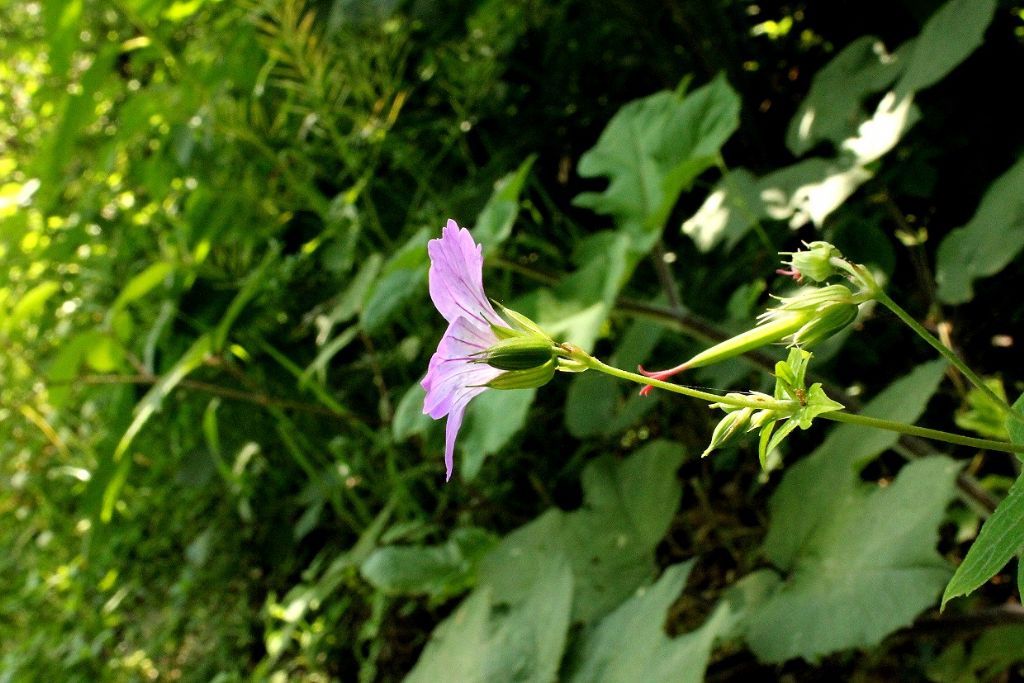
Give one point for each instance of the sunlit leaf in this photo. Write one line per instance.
(141, 284)
(835, 103)
(651, 150)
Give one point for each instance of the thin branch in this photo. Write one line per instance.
(255, 398)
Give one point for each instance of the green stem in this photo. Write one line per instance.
(788, 407)
(923, 432)
(947, 352)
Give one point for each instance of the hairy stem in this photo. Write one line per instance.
(787, 407)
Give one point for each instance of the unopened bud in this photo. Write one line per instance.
(731, 426)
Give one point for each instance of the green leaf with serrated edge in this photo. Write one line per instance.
(610, 541)
(988, 242)
(652, 149)
(630, 644)
(1001, 538)
(867, 545)
(498, 637)
(947, 39)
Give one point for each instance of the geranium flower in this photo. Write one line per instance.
(480, 349)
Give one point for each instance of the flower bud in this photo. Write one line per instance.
(815, 262)
(828, 320)
(519, 353)
(817, 314)
(815, 297)
(731, 426)
(529, 378)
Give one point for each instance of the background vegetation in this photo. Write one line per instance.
(214, 318)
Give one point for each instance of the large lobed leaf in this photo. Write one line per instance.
(869, 567)
(610, 541)
(559, 568)
(630, 644)
(858, 560)
(652, 149)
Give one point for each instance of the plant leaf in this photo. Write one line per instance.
(947, 39)
(630, 644)
(868, 546)
(1001, 537)
(496, 637)
(610, 541)
(653, 148)
(987, 243)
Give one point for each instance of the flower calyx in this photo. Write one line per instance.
(815, 262)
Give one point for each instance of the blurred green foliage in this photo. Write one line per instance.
(214, 317)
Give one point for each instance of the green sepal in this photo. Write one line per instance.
(525, 379)
(779, 436)
(502, 332)
(520, 321)
(519, 353)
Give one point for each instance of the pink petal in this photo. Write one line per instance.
(451, 431)
(452, 369)
(456, 277)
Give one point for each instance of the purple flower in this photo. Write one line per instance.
(456, 374)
